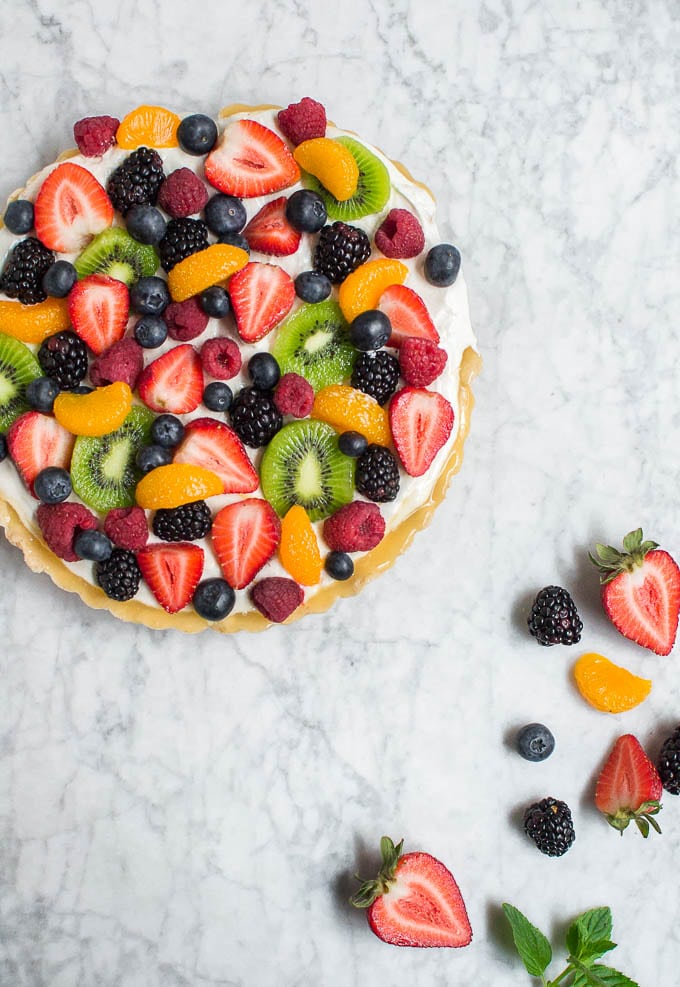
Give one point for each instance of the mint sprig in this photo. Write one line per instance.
(588, 939)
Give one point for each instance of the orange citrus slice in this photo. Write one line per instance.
(361, 290)
(609, 687)
(176, 484)
(299, 548)
(204, 269)
(348, 410)
(330, 162)
(33, 323)
(151, 126)
(98, 413)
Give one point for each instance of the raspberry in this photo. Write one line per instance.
(127, 527)
(421, 361)
(182, 193)
(94, 135)
(276, 597)
(122, 361)
(60, 523)
(294, 396)
(183, 237)
(303, 121)
(185, 320)
(221, 358)
(400, 234)
(356, 527)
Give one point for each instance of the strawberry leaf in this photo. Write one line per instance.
(532, 946)
(601, 976)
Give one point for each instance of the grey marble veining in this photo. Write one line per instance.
(188, 812)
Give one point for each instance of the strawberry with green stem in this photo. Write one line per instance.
(629, 788)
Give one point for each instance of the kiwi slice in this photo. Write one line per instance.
(303, 465)
(373, 187)
(314, 342)
(118, 255)
(18, 367)
(103, 470)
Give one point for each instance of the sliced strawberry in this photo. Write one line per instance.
(629, 787)
(36, 441)
(98, 307)
(250, 160)
(261, 296)
(407, 313)
(173, 382)
(270, 232)
(172, 572)
(245, 536)
(421, 422)
(71, 207)
(217, 447)
(414, 901)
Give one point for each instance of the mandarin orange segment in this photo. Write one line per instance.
(330, 162)
(348, 410)
(149, 126)
(609, 687)
(33, 323)
(361, 290)
(176, 484)
(204, 269)
(98, 413)
(299, 548)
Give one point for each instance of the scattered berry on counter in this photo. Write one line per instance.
(421, 361)
(276, 597)
(127, 527)
(442, 265)
(218, 396)
(400, 235)
(255, 417)
(668, 763)
(19, 217)
(549, 824)
(124, 361)
(370, 330)
(185, 523)
(221, 358)
(60, 523)
(197, 134)
(303, 121)
(136, 181)
(146, 224)
(59, 278)
(225, 214)
(339, 565)
(149, 296)
(306, 211)
(270, 232)
(22, 275)
(185, 320)
(41, 392)
(167, 430)
(355, 527)
(294, 396)
(554, 618)
(340, 250)
(182, 193)
(214, 599)
(151, 457)
(119, 575)
(92, 545)
(609, 687)
(215, 302)
(183, 237)
(376, 374)
(151, 331)
(629, 788)
(63, 357)
(264, 371)
(95, 135)
(352, 444)
(535, 742)
(52, 485)
(377, 475)
(312, 287)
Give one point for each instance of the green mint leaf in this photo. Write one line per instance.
(592, 926)
(601, 976)
(594, 950)
(532, 946)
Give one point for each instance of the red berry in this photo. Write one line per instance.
(60, 523)
(185, 320)
(400, 234)
(277, 597)
(421, 361)
(127, 528)
(303, 121)
(356, 527)
(294, 396)
(182, 193)
(221, 358)
(122, 361)
(95, 135)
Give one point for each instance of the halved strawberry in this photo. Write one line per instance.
(261, 296)
(172, 572)
(217, 447)
(98, 307)
(270, 232)
(250, 160)
(640, 591)
(414, 901)
(629, 787)
(407, 313)
(173, 382)
(71, 207)
(36, 441)
(245, 536)
(421, 422)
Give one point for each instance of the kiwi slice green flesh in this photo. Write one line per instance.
(18, 367)
(103, 470)
(373, 187)
(303, 465)
(314, 342)
(118, 255)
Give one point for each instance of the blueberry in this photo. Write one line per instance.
(52, 485)
(146, 224)
(217, 396)
(19, 216)
(352, 444)
(213, 599)
(442, 264)
(41, 392)
(167, 431)
(339, 565)
(151, 331)
(215, 302)
(149, 296)
(264, 371)
(92, 545)
(235, 240)
(535, 742)
(3, 447)
(150, 457)
(312, 286)
(58, 279)
(81, 389)
(370, 330)
(225, 214)
(197, 134)
(306, 211)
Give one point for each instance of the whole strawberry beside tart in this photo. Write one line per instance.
(235, 365)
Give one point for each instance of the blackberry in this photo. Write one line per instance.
(340, 250)
(554, 618)
(548, 823)
(23, 272)
(668, 764)
(254, 416)
(119, 575)
(377, 475)
(183, 237)
(136, 181)
(63, 358)
(376, 374)
(185, 523)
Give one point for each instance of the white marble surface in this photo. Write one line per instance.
(188, 812)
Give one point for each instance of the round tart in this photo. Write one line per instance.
(235, 365)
